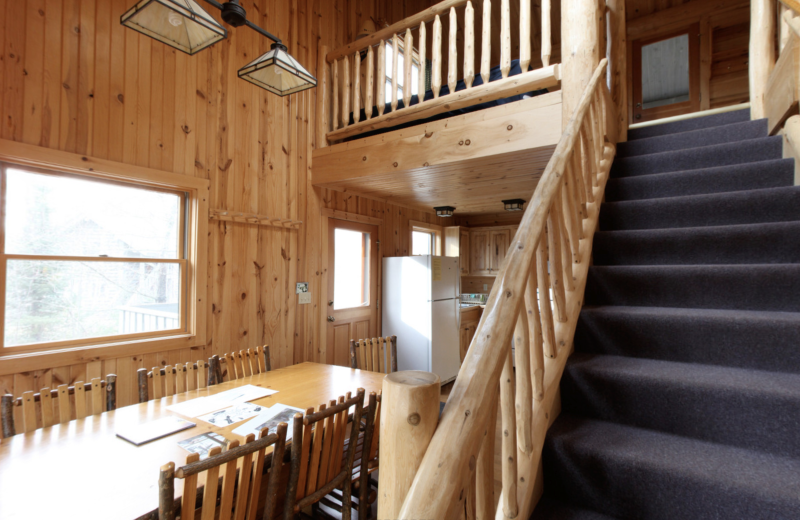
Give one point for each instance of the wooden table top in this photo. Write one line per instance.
(83, 470)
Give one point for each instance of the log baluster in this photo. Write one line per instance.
(323, 98)
(486, 41)
(395, 79)
(577, 178)
(589, 163)
(509, 440)
(567, 257)
(436, 56)
(452, 53)
(524, 400)
(524, 34)
(380, 83)
(484, 473)
(422, 61)
(357, 88)
(505, 38)
(547, 45)
(370, 86)
(335, 94)
(545, 305)
(570, 204)
(346, 93)
(469, 45)
(408, 61)
(535, 333)
(556, 267)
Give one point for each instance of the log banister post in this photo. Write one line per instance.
(524, 401)
(508, 499)
(547, 45)
(408, 61)
(410, 413)
(762, 53)
(422, 61)
(346, 93)
(505, 38)
(323, 98)
(380, 83)
(436, 57)
(524, 34)
(395, 53)
(486, 41)
(357, 88)
(335, 94)
(370, 86)
(469, 45)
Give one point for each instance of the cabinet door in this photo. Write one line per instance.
(479, 249)
(463, 252)
(465, 339)
(500, 240)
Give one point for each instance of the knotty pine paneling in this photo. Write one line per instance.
(72, 78)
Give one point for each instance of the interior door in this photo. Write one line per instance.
(352, 287)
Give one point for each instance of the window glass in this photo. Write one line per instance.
(400, 74)
(421, 243)
(68, 216)
(665, 72)
(351, 272)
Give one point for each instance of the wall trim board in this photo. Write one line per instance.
(353, 217)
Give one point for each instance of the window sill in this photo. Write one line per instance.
(14, 363)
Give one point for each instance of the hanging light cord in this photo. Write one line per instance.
(248, 22)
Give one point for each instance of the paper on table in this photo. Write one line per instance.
(205, 405)
(278, 413)
(203, 443)
(233, 414)
(141, 433)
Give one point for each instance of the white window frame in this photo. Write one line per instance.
(424, 227)
(193, 260)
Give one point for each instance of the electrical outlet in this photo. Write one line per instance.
(304, 298)
(486, 287)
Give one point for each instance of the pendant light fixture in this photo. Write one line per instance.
(444, 211)
(184, 25)
(513, 204)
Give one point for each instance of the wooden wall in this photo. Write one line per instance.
(72, 78)
(725, 28)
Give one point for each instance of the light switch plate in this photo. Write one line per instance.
(305, 297)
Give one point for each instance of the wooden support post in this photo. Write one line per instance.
(547, 44)
(762, 53)
(452, 53)
(323, 97)
(505, 38)
(408, 61)
(618, 63)
(380, 82)
(524, 35)
(469, 45)
(436, 55)
(422, 60)
(508, 500)
(410, 413)
(486, 41)
(580, 51)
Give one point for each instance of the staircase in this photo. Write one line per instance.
(682, 399)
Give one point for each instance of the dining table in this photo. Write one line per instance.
(81, 469)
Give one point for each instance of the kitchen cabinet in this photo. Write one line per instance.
(456, 243)
(463, 251)
(499, 240)
(469, 325)
(488, 250)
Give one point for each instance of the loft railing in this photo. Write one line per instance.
(551, 251)
(340, 91)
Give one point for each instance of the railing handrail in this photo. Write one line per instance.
(456, 443)
(411, 22)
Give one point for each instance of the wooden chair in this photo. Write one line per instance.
(171, 380)
(237, 497)
(370, 354)
(102, 396)
(323, 461)
(246, 363)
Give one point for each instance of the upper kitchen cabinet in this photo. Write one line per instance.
(456, 243)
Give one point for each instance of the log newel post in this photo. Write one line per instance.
(580, 51)
(762, 53)
(111, 392)
(7, 413)
(409, 415)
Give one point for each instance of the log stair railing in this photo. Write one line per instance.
(456, 475)
(339, 91)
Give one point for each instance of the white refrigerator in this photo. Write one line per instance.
(421, 306)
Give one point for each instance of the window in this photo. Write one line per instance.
(351, 269)
(87, 259)
(400, 72)
(426, 239)
(98, 255)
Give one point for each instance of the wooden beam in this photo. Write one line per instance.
(511, 86)
(675, 17)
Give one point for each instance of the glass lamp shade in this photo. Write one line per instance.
(278, 72)
(181, 24)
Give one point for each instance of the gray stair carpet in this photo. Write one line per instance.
(682, 399)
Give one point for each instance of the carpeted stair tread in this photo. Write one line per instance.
(716, 209)
(750, 409)
(739, 177)
(775, 242)
(694, 138)
(548, 509)
(762, 340)
(630, 472)
(688, 125)
(745, 287)
(751, 150)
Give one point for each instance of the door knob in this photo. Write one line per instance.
(330, 302)
(331, 318)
